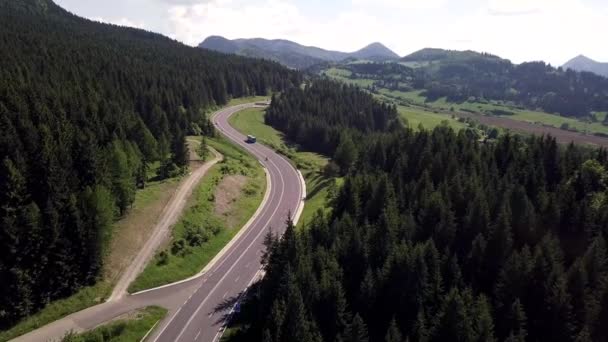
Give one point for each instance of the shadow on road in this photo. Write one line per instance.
(225, 307)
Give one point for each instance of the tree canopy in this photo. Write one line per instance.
(85, 108)
(434, 236)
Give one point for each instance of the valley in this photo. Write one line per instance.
(158, 189)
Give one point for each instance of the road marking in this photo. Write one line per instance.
(237, 260)
(197, 335)
(259, 154)
(225, 294)
(237, 279)
(165, 327)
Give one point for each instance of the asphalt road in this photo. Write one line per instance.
(202, 315)
(198, 306)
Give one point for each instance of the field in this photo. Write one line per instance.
(344, 76)
(134, 327)
(310, 164)
(129, 234)
(202, 232)
(416, 117)
(429, 113)
(560, 135)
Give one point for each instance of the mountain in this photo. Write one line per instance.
(375, 51)
(583, 63)
(432, 55)
(290, 53)
(460, 76)
(86, 109)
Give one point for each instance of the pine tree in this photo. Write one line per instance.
(356, 330)
(346, 153)
(179, 151)
(393, 334)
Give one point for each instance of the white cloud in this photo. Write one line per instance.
(274, 19)
(121, 22)
(552, 30)
(401, 4)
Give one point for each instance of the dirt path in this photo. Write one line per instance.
(160, 233)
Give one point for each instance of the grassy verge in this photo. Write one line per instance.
(318, 186)
(201, 233)
(127, 234)
(243, 100)
(133, 328)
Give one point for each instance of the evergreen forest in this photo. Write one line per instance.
(85, 110)
(434, 236)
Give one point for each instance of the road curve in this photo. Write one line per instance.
(201, 317)
(198, 306)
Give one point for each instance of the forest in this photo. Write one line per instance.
(464, 76)
(435, 236)
(85, 110)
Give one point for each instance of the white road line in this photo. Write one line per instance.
(237, 279)
(197, 335)
(236, 262)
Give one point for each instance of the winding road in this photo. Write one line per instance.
(199, 306)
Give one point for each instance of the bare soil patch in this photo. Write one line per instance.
(226, 194)
(132, 231)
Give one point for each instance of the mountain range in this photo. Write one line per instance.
(583, 63)
(292, 54)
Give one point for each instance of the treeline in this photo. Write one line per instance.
(85, 110)
(328, 116)
(434, 236)
(469, 76)
(534, 85)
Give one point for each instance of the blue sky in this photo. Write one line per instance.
(520, 30)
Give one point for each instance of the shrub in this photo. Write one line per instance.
(163, 258)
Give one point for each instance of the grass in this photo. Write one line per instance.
(427, 116)
(429, 120)
(413, 97)
(243, 100)
(251, 121)
(173, 263)
(344, 76)
(123, 247)
(123, 330)
(310, 164)
(600, 116)
(537, 117)
(146, 208)
(558, 121)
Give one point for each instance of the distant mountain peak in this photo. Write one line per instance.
(375, 50)
(435, 54)
(292, 54)
(584, 63)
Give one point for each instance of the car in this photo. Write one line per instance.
(251, 139)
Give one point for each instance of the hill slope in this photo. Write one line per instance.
(460, 76)
(432, 54)
(85, 108)
(583, 63)
(290, 53)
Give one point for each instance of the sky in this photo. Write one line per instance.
(520, 30)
